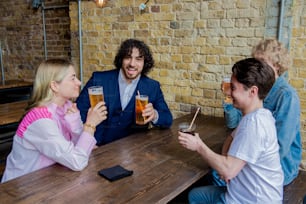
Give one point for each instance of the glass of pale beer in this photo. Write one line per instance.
(226, 89)
(95, 95)
(140, 103)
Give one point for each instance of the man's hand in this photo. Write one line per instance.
(149, 113)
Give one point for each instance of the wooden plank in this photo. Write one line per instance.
(15, 83)
(15, 90)
(12, 112)
(296, 190)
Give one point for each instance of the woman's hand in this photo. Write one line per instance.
(72, 109)
(97, 114)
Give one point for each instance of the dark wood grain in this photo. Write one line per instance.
(15, 90)
(162, 170)
(14, 99)
(296, 190)
(12, 112)
(8, 84)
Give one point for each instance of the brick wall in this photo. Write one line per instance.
(298, 71)
(22, 36)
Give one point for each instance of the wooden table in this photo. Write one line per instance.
(162, 170)
(12, 112)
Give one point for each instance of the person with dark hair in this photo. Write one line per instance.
(120, 86)
(251, 167)
(283, 102)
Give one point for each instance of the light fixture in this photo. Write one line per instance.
(100, 3)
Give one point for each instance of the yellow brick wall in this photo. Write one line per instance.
(298, 71)
(194, 44)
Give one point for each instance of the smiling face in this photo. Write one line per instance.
(240, 95)
(132, 65)
(251, 81)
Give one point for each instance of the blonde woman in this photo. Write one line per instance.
(51, 131)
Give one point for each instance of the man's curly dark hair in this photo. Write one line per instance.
(126, 48)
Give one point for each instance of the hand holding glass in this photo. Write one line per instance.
(140, 103)
(95, 95)
(226, 89)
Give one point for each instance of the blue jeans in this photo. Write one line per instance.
(217, 181)
(213, 178)
(207, 195)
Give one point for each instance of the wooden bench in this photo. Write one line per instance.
(12, 112)
(295, 191)
(15, 90)
(10, 115)
(14, 96)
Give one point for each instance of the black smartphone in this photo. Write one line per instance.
(115, 173)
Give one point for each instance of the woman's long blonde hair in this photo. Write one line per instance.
(48, 71)
(274, 52)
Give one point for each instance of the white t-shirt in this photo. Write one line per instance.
(261, 179)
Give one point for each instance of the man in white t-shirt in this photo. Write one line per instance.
(252, 166)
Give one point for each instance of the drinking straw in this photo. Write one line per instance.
(140, 104)
(194, 117)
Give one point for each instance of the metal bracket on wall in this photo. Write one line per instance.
(1, 63)
(142, 6)
(44, 23)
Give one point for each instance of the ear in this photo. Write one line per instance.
(254, 91)
(276, 69)
(54, 86)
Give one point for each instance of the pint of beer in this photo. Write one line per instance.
(226, 89)
(95, 95)
(140, 103)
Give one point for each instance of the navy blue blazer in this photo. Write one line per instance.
(121, 123)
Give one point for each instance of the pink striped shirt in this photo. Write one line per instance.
(47, 135)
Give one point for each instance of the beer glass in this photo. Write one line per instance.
(95, 95)
(226, 89)
(140, 103)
